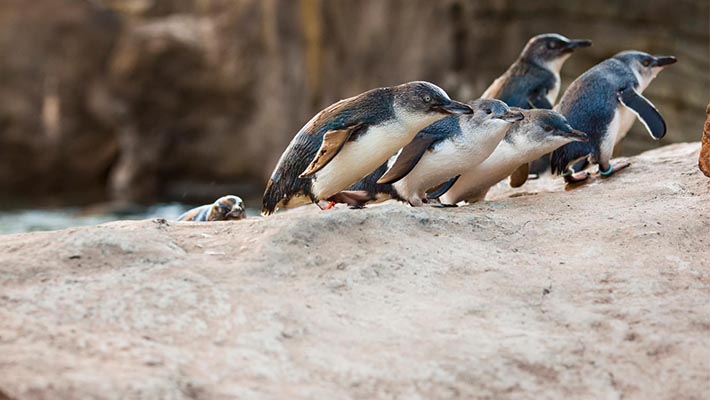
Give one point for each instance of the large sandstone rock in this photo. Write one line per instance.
(598, 292)
(147, 99)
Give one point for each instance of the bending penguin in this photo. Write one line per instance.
(440, 153)
(350, 139)
(225, 208)
(604, 102)
(533, 80)
(539, 133)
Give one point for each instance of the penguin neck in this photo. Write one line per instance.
(554, 66)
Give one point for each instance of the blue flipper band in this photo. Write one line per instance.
(607, 173)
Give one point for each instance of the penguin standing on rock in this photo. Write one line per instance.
(350, 139)
(533, 80)
(226, 208)
(604, 102)
(539, 133)
(440, 153)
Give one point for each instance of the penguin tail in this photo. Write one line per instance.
(270, 200)
(561, 158)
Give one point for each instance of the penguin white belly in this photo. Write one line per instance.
(555, 91)
(612, 136)
(475, 182)
(360, 157)
(555, 67)
(434, 168)
(627, 118)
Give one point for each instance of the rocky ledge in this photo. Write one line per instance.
(602, 291)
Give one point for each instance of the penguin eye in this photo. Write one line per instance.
(427, 98)
(488, 111)
(553, 45)
(646, 62)
(548, 128)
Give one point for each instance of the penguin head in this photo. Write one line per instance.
(227, 208)
(426, 100)
(492, 115)
(554, 127)
(546, 128)
(645, 66)
(551, 49)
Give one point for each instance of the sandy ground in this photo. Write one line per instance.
(601, 292)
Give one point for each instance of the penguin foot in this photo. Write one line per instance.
(326, 204)
(442, 205)
(577, 177)
(353, 198)
(613, 169)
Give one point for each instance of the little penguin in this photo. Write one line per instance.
(604, 102)
(440, 153)
(533, 80)
(540, 132)
(350, 139)
(225, 208)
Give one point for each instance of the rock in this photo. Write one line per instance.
(172, 99)
(52, 58)
(544, 293)
(704, 159)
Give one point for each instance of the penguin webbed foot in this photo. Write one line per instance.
(355, 199)
(325, 204)
(612, 169)
(443, 205)
(576, 177)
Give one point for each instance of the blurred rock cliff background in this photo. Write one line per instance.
(146, 100)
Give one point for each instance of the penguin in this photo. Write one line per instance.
(440, 153)
(540, 132)
(226, 208)
(351, 138)
(533, 80)
(604, 102)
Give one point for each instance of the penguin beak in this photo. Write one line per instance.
(454, 107)
(578, 136)
(662, 61)
(577, 43)
(512, 116)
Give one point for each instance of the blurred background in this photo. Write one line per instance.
(139, 108)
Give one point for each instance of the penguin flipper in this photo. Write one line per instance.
(333, 142)
(645, 111)
(519, 176)
(539, 100)
(443, 188)
(408, 158)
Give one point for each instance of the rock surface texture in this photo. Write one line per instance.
(141, 98)
(601, 292)
(704, 159)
